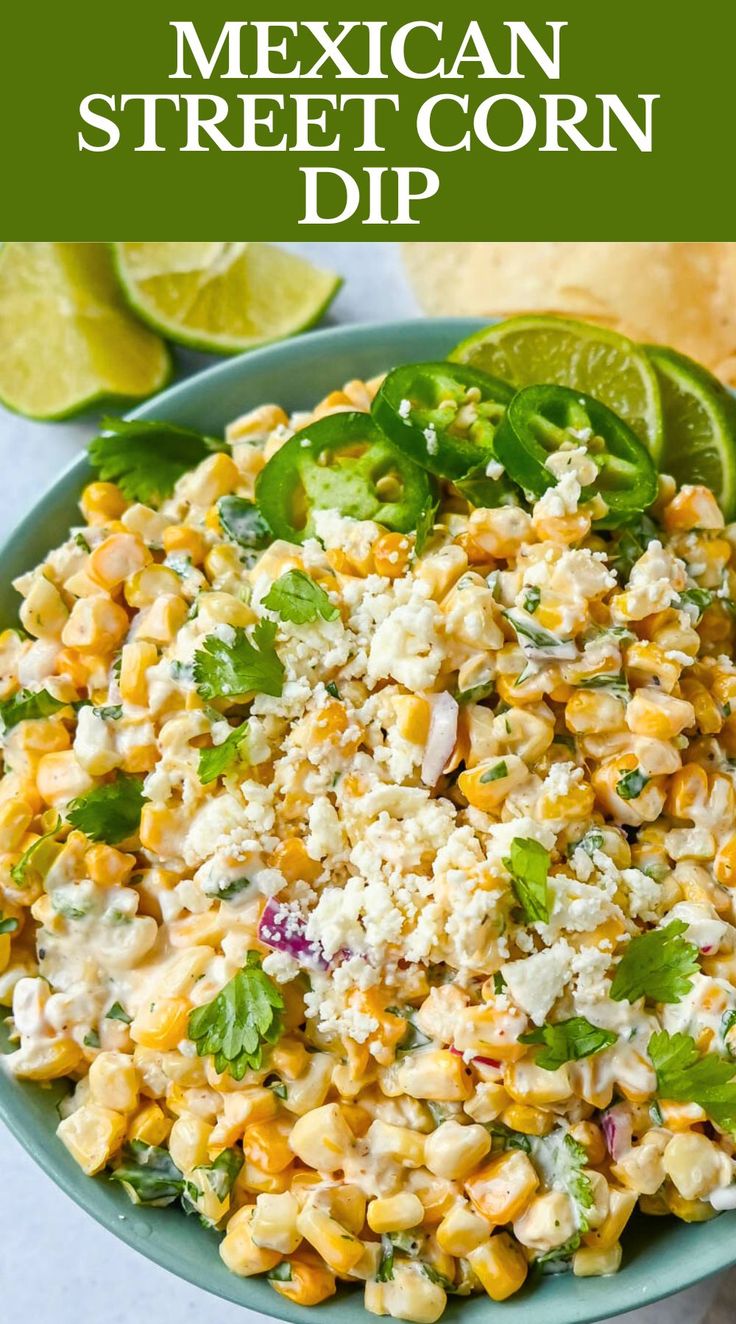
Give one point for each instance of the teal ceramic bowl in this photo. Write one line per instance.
(661, 1256)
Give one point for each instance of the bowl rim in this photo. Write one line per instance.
(631, 1291)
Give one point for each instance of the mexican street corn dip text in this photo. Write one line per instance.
(368, 833)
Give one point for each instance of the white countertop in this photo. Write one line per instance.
(55, 1262)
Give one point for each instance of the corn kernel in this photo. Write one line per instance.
(92, 1135)
(502, 1189)
(500, 1265)
(113, 1082)
(394, 1213)
(101, 502)
(587, 1262)
(161, 1024)
(95, 625)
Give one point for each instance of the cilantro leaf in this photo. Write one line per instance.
(117, 1012)
(414, 1038)
(26, 705)
(149, 1174)
(561, 1161)
(528, 865)
(632, 784)
(616, 682)
(536, 634)
(385, 1270)
(476, 693)
(568, 1041)
(281, 1273)
(213, 763)
(217, 1178)
(686, 1077)
(698, 598)
(425, 525)
(7, 925)
(224, 670)
(110, 812)
(37, 857)
(245, 1015)
(146, 460)
(298, 599)
(244, 523)
(656, 965)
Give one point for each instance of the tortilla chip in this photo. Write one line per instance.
(680, 294)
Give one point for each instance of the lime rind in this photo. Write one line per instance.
(535, 348)
(327, 285)
(700, 425)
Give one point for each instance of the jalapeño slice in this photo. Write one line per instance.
(543, 419)
(443, 415)
(342, 462)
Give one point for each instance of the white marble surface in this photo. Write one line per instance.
(55, 1262)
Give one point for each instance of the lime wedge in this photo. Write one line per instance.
(66, 336)
(527, 351)
(699, 426)
(223, 297)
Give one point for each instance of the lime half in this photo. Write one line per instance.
(699, 426)
(527, 351)
(223, 297)
(66, 337)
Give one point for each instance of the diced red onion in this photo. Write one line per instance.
(617, 1131)
(284, 930)
(441, 738)
(484, 1061)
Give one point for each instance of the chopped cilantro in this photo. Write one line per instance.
(632, 784)
(528, 865)
(656, 965)
(112, 713)
(146, 460)
(149, 1174)
(332, 689)
(699, 598)
(425, 525)
(616, 682)
(495, 773)
(414, 1037)
(243, 522)
(298, 599)
(111, 812)
(36, 859)
(531, 598)
(281, 1274)
(245, 1015)
(385, 1270)
(476, 693)
(568, 1041)
(225, 670)
(537, 636)
(91, 1039)
(81, 541)
(118, 1013)
(218, 760)
(9, 925)
(26, 706)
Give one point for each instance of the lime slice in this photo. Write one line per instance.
(66, 336)
(223, 297)
(533, 350)
(699, 426)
